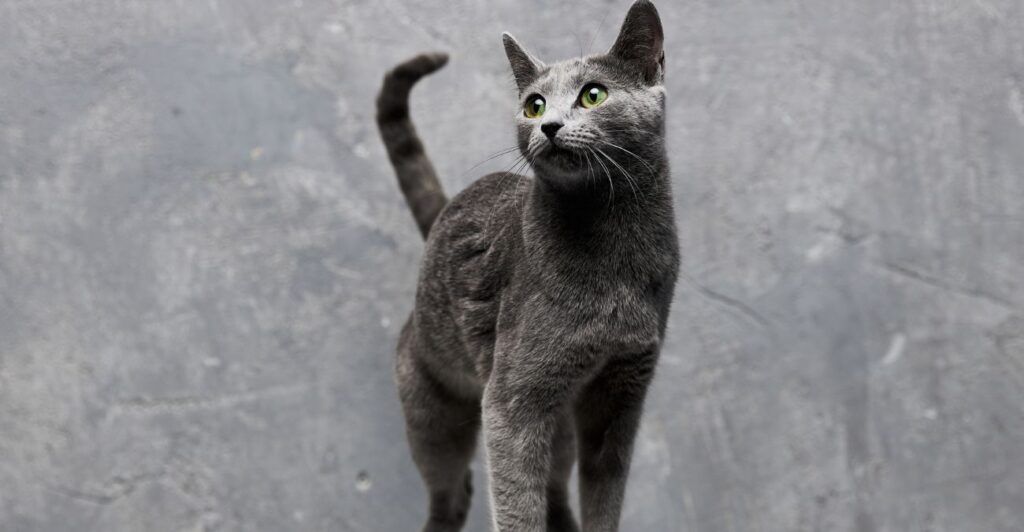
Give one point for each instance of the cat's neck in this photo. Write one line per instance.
(599, 209)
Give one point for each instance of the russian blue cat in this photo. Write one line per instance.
(542, 301)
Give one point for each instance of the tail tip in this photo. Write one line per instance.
(434, 60)
(399, 81)
(419, 65)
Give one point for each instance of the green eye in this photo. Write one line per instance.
(593, 95)
(534, 106)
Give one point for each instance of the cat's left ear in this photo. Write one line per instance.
(641, 41)
(525, 66)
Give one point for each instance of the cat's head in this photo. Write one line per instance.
(593, 118)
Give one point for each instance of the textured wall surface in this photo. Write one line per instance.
(205, 260)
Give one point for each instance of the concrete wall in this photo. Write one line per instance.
(205, 260)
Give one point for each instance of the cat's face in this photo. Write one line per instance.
(597, 117)
(580, 113)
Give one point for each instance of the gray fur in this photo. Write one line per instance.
(542, 303)
(525, 67)
(416, 175)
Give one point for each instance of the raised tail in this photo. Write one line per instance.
(416, 176)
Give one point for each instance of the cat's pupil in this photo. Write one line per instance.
(592, 95)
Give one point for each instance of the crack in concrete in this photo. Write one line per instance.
(189, 402)
(945, 285)
(108, 493)
(723, 300)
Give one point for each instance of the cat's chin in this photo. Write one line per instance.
(561, 167)
(564, 179)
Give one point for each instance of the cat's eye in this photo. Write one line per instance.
(534, 106)
(593, 95)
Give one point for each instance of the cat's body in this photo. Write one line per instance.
(541, 303)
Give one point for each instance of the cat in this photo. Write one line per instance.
(541, 302)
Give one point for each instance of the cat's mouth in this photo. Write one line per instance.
(562, 156)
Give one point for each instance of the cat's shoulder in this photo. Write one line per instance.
(476, 235)
(493, 188)
(493, 198)
(482, 219)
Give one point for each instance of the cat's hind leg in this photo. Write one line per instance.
(442, 431)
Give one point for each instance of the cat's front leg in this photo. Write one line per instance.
(608, 414)
(518, 437)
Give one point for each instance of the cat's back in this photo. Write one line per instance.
(480, 216)
(480, 212)
(470, 253)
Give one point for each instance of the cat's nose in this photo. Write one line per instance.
(551, 128)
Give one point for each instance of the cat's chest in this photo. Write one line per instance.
(578, 299)
(613, 318)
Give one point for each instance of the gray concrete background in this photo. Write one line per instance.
(205, 260)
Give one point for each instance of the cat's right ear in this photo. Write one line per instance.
(525, 67)
(641, 41)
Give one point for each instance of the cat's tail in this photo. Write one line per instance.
(416, 176)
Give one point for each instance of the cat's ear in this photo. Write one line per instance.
(525, 66)
(641, 41)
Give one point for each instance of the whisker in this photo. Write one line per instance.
(578, 41)
(629, 178)
(505, 151)
(597, 31)
(522, 165)
(635, 130)
(607, 173)
(526, 161)
(584, 156)
(635, 156)
(590, 169)
(501, 184)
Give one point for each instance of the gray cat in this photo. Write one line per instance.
(542, 302)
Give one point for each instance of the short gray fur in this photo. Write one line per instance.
(205, 261)
(542, 301)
